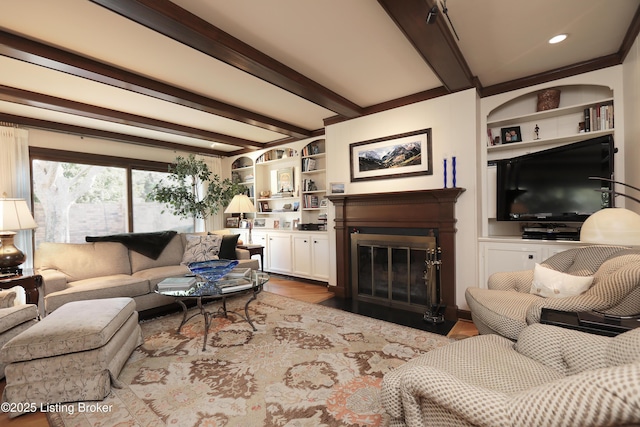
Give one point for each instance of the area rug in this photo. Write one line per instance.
(307, 365)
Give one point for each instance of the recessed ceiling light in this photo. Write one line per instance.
(557, 39)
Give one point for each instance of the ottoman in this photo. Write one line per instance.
(74, 354)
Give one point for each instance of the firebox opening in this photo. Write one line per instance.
(389, 269)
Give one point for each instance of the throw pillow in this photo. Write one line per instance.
(556, 284)
(201, 248)
(228, 246)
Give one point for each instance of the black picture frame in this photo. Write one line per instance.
(510, 135)
(367, 162)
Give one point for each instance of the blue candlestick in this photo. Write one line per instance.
(445, 173)
(453, 170)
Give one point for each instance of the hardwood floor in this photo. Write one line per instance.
(316, 294)
(303, 291)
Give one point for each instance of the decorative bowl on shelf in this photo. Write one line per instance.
(548, 99)
(213, 269)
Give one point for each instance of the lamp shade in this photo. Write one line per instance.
(15, 215)
(241, 203)
(615, 226)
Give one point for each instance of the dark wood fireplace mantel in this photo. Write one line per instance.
(426, 209)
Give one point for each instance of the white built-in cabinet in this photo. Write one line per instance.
(515, 254)
(279, 253)
(500, 245)
(311, 256)
(301, 254)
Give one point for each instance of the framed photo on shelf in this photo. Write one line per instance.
(324, 203)
(285, 180)
(264, 207)
(259, 223)
(233, 222)
(510, 134)
(336, 188)
(396, 156)
(276, 223)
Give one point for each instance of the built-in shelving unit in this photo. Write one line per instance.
(242, 173)
(313, 183)
(277, 191)
(555, 127)
(501, 246)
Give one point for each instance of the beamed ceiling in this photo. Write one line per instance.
(226, 77)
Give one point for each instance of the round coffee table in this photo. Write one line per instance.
(218, 290)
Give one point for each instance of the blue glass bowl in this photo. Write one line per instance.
(213, 269)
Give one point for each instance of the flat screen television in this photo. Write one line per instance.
(553, 185)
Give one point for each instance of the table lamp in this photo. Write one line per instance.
(241, 204)
(612, 226)
(14, 215)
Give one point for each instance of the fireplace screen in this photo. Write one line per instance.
(390, 267)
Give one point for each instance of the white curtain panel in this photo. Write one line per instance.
(15, 176)
(215, 222)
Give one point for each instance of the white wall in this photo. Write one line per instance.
(631, 84)
(453, 120)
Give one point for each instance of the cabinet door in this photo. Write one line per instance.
(279, 250)
(320, 264)
(505, 258)
(302, 255)
(260, 238)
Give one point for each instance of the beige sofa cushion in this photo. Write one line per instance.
(16, 315)
(171, 255)
(157, 274)
(62, 332)
(118, 285)
(84, 260)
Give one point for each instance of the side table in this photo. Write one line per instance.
(255, 250)
(587, 321)
(28, 280)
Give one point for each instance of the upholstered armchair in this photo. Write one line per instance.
(550, 377)
(13, 319)
(510, 302)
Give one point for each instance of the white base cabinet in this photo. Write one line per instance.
(320, 258)
(311, 256)
(516, 254)
(279, 253)
(295, 253)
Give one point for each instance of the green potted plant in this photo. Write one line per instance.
(179, 192)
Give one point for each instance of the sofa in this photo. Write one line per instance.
(105, 267)
(550, 377)
(597, 277)
(15, 317)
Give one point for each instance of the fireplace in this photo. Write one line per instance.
(425, 213)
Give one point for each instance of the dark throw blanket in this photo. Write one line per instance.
(148, 244)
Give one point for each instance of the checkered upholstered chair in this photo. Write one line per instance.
(506, 306)
(550, 377)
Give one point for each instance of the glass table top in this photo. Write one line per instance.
(236, 281)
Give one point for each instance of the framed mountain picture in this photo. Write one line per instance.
(396, 156)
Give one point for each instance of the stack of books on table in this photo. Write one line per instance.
(173, 284)
(239, 279)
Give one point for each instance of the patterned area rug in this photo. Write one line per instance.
(307, 365)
